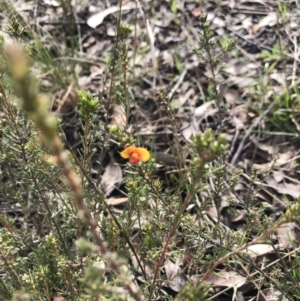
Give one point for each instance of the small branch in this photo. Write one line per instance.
(248, 133)
(170, 235)
(242, 248)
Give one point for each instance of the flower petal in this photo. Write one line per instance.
(134, 158)
(127, 152)
(144, 153)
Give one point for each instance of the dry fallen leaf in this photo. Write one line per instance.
(288, 189)
(190, 129)
(111, 176)
(223, 279)
(118, 117)
(96, 19)
(288, 235)
(166, 159)
(52, 3)
(197, 12)
(258, 250)
(271, 294)
(175, 279)
(270, 20)
(116, 201)
(277, 161)
(58, 298)
(204, 109)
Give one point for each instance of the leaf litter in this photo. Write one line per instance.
(187, 81)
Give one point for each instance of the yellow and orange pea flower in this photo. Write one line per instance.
(135, 154)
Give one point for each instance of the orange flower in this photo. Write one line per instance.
(135, 154)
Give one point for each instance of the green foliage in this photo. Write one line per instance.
(60, 238)
(207, 147)
(36, 262)
(192, 292)
(87, 104)
(15, 28)
(274, 55)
